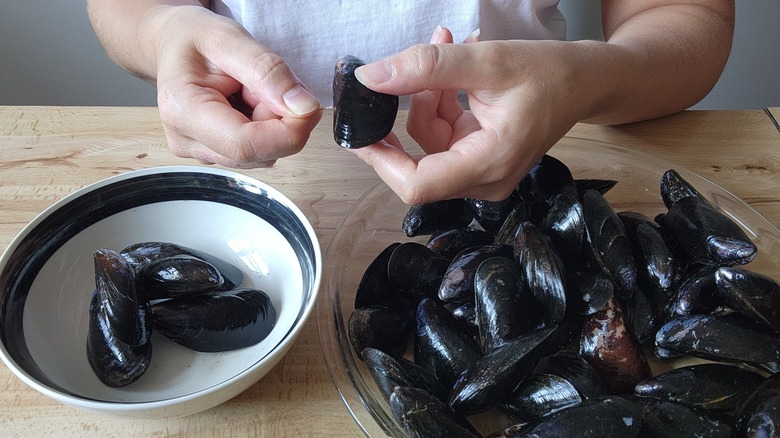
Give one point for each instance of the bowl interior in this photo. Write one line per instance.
(48, 275)
(375, 221)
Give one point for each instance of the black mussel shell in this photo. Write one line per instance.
(755, 295)
(177, 276)
(726, 338)
(665, 419)
(416, 271)
(495, 376)
(588, 291)
(451, 242)
(492, 215)
(389, 371)
(457, 283)
(549, 178)
(504, 306)
(124, 304)
(759, 416)
(564, 223)
(216, 321)
(421, 414)
(601, 185)
(696, 293)
(610, 347)
(609, 416)
(115, 363)
(706, 235)
(360, 116)
(576, 370)
(712, 387)
(441, 346)
(542, 270)
(506, 234)
(655, 258)
(674, 188)
(375, 287)
(143, 253)
(610, 242)
(540, 395)
(385, 328)
(423, 219)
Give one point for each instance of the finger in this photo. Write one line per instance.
(426, 67)
(449, 174)
(211, 120)
(424, 123)
(266, 76)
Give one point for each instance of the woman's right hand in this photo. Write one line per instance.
(223, 97)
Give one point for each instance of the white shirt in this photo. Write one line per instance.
(311, 35)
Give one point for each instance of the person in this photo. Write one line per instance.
(230, 90)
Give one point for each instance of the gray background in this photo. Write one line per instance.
(50, 56)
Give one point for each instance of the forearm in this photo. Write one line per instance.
(656, 61)
(127, 29)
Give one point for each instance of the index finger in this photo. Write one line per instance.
(461, 171)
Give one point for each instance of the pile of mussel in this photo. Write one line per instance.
(549, 308)
(189, 296)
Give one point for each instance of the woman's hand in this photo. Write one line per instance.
(223, 97)
(659, 57)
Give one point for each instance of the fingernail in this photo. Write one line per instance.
(473, 37)
(436, 35)
(300, 101)
(375, 73)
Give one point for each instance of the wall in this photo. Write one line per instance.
(50, 56)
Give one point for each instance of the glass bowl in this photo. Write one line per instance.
(375, 221)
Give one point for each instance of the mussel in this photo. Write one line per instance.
(216, 321)
(119, 348)
(360, 116)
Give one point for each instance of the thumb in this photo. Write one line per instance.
(264, 74)
(424, 67)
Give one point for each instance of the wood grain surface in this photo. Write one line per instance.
(49, 152)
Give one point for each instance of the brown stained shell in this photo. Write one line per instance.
(610, 347)
(360, 116)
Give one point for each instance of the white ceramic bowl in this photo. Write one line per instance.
(47, 278)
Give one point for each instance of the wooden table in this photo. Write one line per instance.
(49, 152)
